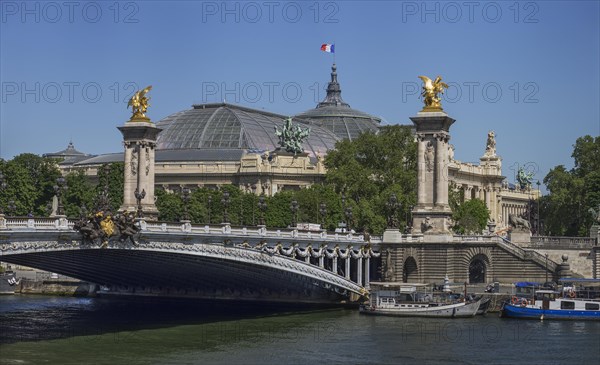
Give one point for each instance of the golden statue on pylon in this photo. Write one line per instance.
(139, 104)
(431, 91)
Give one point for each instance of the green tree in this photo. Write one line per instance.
(565, 210)
(79, 194)
(372, 167)
(30, 183)
(470, 217)
(111, 176)
(169, 205)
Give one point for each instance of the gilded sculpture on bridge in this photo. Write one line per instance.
(139, 104)
(431, 91)
(103, 226)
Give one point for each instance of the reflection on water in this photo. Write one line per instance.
(107, 331)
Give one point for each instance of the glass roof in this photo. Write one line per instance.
(226, 126)
(337, 116)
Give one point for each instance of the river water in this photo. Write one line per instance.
(58, 330)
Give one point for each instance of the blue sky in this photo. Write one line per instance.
(528, 70)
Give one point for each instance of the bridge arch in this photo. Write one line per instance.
(410, 270)
(478, 265)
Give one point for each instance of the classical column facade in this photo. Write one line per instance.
(139, 140)
(432, 213)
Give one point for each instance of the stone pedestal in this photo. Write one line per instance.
(564, 268)
(520, 237)
(392, 236)
(139, 138)
(432, 213)
(595, 232)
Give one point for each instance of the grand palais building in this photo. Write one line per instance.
(215, 144)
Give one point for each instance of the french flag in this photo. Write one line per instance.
(328, 48)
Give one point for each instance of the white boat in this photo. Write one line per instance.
(412, 300)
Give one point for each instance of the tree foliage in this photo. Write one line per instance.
(30, 181)
(565, 210)
(370, 168)
(471, 217)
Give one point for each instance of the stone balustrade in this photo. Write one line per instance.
(562, 242)
(185, 227)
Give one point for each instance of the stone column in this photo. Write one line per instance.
(432, 213)
(359, 271)
(139, 136)
(348, 264)
(334, 265)
(420, 169)
(441, 169)
(367, 272)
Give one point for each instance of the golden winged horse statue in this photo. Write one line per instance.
(431, 91)
(139, 103)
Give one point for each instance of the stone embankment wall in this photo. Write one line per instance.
(56, 287)
(580, 260)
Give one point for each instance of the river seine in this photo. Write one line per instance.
(58, 330)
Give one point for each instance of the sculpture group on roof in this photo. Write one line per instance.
(292, 136)
(524, 178)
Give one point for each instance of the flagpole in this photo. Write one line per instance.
(333, 52)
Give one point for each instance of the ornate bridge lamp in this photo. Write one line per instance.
(342, 224)
(348, 214)
(408, 228)
(83, 211)
(139, 197)
(209, 202)
(253, 188)
(3, 186)
(59, 190)
(323, 213)
(294, 208)
(225, 201)
(12, 208)
(262, 206)
(2, 189)
(392, 205)
(537, 228)
(103, 203)
(185, 197)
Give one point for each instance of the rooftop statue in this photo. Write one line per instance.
(139, 103)
(523, 178)
(291, 136)
(431, 91)
(490, 147)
